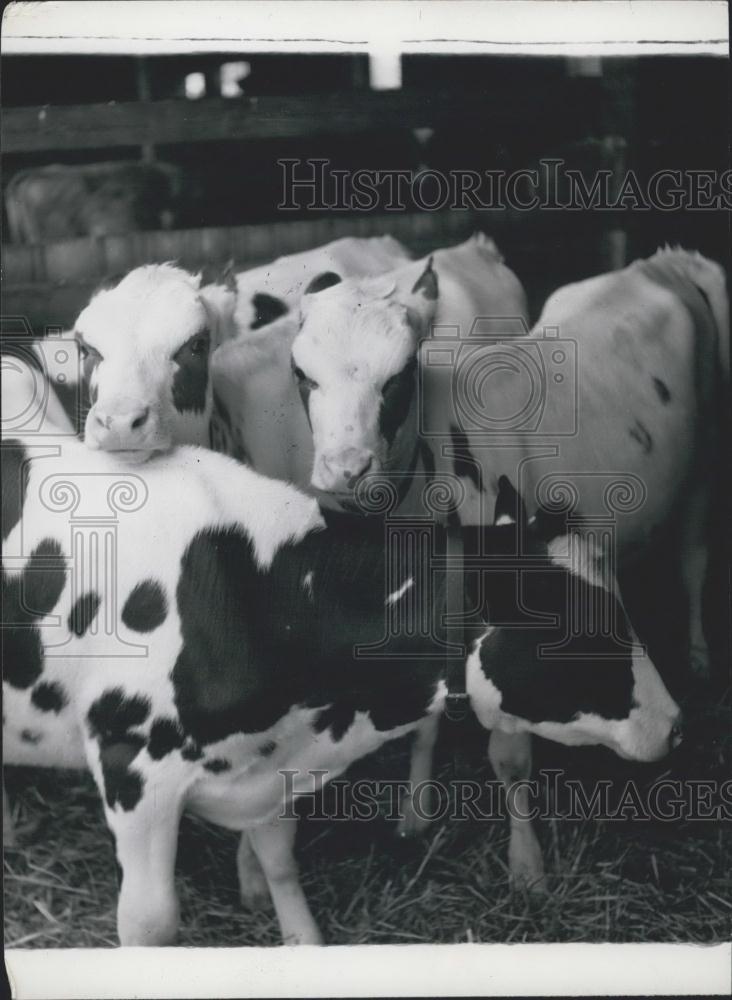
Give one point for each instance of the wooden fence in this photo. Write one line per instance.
(48, 284)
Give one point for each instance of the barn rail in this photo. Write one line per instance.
(49, 283)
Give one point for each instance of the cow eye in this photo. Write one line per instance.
(302, 378)
(87, 351)
(199, 346)
(195, 349)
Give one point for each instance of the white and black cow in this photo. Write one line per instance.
(266, 293)
(299, 392)
(257, 412)
(217, 640)
(134, 372)
(613, 394)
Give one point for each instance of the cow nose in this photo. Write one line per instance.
(117, 429)
(348, 466)
(354, 474)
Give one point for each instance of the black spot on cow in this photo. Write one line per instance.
(146, 607)
(22, 651)
(122, 784)
(165, 737)
(49, 696)
(26, 598)
(552, 672)
(44, 578)
(267, 309)
(337, 718)
(509, 502)
(114, 713)
(218, 765)
(428, 460)
(279, 648)
(322, 281)
(190, 381)
(83, 612)
(110, 720)
(268, 748)
(639, 432)
(31, 736)
(396, 400)
(464, 462)
(191, 751)
(15, 470)
(662, 389)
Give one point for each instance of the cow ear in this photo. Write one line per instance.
(219, 303)
(227, 278)
(426, 284)
(510, 507)
(322, 281)
(217, 275)
(422, 301)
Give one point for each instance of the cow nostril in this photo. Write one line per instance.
(140, 420)
(676, 736)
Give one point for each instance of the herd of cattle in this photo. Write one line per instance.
(281, 606)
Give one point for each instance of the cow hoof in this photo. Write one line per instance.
(255, 894)
(310, 936)
(532, 882)
(526, 868)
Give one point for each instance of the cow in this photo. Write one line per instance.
(132, 377)
(135, 368)
(369, 378)
(62, 201)
(257, 415)
(260, 401)
(620, 409)
(233, 630)
(274, 289)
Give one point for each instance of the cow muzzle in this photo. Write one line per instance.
(134, 428)
(340, 472)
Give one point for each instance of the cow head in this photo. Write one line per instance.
(561, 658)
(355, 365)
(145, 346)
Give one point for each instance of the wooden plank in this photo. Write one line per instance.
(92, 258)
(90, 126)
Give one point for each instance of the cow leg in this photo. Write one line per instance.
(8, 826)
(411, 823)
(253, 888)
(146, 839)
(510, 757)
(694, 554)
(273, 844)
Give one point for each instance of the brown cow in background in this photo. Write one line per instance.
(96, 199)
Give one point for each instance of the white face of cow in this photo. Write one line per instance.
(355, 363)
(145, 346)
